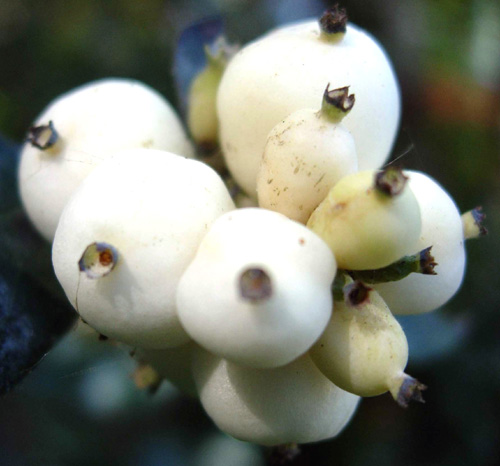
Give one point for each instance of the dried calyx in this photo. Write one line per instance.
(408, 389)
(391, 181)
(356, 293)
(98, 260)
(337, 103)
(472, 222)
(333, 22)
(255, 285)
(43, 136)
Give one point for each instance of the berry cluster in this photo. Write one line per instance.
(279, 315)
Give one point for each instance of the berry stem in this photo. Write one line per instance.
(421, 262)
(341, 279)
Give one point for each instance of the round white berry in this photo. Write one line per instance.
(306, 154)
(364, 349)
(286, 71)
(295, 403)
(258, 290)
(90, 124)
(127, 235)
(369, 219)
(443, 230)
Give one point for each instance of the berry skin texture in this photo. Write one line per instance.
(365, 228)
(305, 155)
(442, 229)
(92, 122)
(258, 290)
(364, 349)
(290, 404)
(154, 208)
(285, 71)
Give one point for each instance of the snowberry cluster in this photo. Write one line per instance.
(278, 316)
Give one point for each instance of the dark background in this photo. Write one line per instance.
(80, 405)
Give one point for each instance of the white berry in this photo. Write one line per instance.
(442, 229)
(295, 403)
(286, 71)
(258, 290)
(365, 226)
(306, 154)
(364, 349)
(92, 122)
(146, 211)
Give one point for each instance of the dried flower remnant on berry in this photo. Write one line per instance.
(255, 285)
(98, 260)
(356, 293)
(337, 103)
(410, 390)
(333, 21)
(390, 181)
(472, 222)
(43, 136)
(339, 98)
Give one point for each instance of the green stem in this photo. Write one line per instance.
(421, 262)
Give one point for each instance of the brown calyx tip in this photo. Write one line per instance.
(427, 262)
(339, 98)
(98, 260)
(391, 181)
(356, 293)
(43, 136)
(255, 285)
(334, 20)
(479, 217)
(410, 390)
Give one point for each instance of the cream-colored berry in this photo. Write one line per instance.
(365, 226)
(258, 290)
(306, 154)
(364, 349)
(92, 123)
(291, 404)
(143, 215)
(285, 71)
(443, 230)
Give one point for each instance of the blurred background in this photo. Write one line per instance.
(81, 407)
